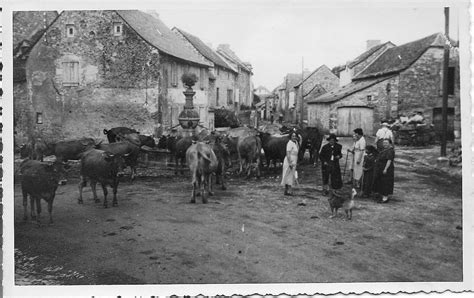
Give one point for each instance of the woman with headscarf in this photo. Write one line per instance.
(382, 134)
(289, 164)
(385, 171)
(358, 156)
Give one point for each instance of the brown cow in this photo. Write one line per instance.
(202, 162)
(103, 167)
(39, 180)
(248, 150)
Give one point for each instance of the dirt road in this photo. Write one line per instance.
(250, 233)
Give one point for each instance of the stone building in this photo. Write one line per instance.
(357, 65)
(244, 88)
(403, 80)
(28, 27)
(99, 69)
(222, 76)
(320, 81)
(285, 93)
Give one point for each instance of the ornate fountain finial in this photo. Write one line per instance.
(189, 117)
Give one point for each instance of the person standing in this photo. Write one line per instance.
(358, 156)
(368, 168)
(385, 171)
(383, 133)
(289, 164)
(329, 156)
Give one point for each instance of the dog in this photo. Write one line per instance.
(339, 200)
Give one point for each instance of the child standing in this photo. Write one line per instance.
(368, 169)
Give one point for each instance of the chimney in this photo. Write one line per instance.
(153, 13)
(224, 46)
(372, 43)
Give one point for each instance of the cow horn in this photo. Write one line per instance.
(106, 131)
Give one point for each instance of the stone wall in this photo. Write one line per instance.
(225, 80)
(243, 84)
(26, 24)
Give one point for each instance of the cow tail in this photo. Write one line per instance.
(204, 156)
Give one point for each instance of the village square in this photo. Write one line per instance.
(347, 172)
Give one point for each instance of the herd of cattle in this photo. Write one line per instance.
(205, 154)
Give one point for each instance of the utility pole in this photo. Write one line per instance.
(444, 110)
(302, 92)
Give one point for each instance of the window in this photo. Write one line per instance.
(39, 118)
(70, 30)
(118, 29)
(217, 96)
(70, 73)
(230, 96)
(174, 74)
(217, 70)
(451, 81)
(369, 98)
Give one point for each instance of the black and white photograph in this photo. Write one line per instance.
(236, 147)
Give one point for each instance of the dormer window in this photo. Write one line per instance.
(70, 30)
(118, 29)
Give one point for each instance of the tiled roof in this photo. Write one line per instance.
(362, 57)
(202, 48)
(292, 79)
(225, 51)
(398, 58)
(341, 92)
(314, 72)
(155, 32)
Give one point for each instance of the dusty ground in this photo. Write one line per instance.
(250, 233)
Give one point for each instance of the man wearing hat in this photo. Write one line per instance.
(384, 133)
(329, 156)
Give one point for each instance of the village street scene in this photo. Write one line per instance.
(145, 154)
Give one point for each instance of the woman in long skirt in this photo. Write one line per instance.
(289, 164)
(385, 171)
(369, 166)
(357, 161)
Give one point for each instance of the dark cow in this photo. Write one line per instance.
(103, 167)
(181, 147)
(113, 133)
(202, 162)
(248, 150)
(223, 160)
(274, 147)
(311, 140)
(39, 180)
(148, 141)
(124, 149)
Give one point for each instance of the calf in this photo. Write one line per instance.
(103, 167)
(248, 150)
(39, 180)
(122, 149)
(202, 162)
(113, 133)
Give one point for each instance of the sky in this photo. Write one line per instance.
(282, 36)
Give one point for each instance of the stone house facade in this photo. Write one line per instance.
(243, 88)
(28, 27)
(356, 66)
(391, 87)
(321, 80)
(99, 69)
(222, 76)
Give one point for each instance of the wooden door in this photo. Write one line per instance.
(350, 118)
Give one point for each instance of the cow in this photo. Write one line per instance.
(223, 160)
(202, 162)
(248, 150)
(114, 132)
(63, 150)
(103, 167)
(181, 147)
(124, 148)
(39, 180)
(274, 147)
(145, 140)
(311, 139)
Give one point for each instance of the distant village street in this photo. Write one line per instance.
(145, 155)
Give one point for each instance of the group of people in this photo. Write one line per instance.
(372, 167)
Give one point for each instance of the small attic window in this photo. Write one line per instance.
(70, 30)
(118, 29)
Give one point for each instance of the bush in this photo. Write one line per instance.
(225, 118)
